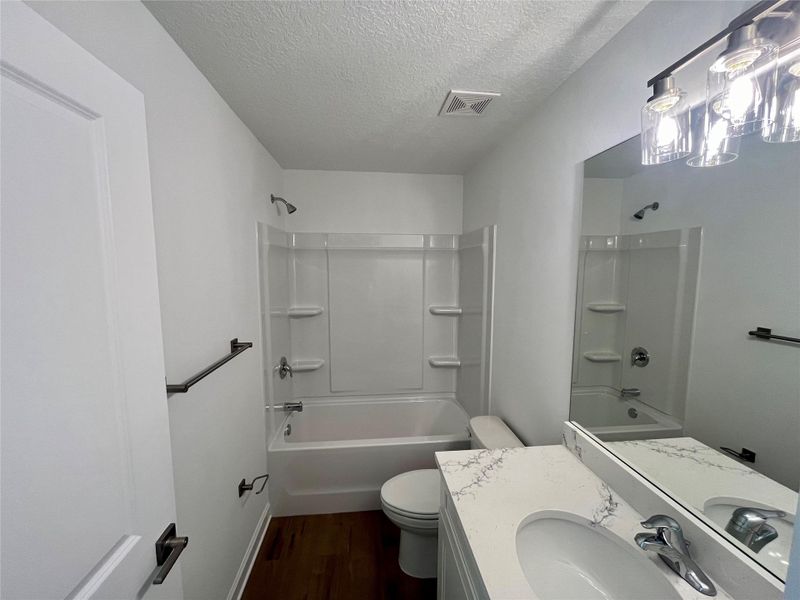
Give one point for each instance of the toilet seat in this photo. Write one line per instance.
(413, 495)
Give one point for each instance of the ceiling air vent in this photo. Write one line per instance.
(466, 104)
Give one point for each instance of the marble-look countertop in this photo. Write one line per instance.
(494, 491)
(696, 474)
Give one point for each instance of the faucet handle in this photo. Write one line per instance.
(748, 518)
(669, 531)
(764, 513)
(662, 522)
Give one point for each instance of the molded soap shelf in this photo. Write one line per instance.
(602, 356)
(605, 307)
(298, 312)
(447, 311)
(446, 362)
(299, 366)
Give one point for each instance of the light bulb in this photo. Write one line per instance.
(666, 132)
(743, 95)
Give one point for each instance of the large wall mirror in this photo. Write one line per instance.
(677, 265)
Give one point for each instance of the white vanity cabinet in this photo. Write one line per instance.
(458, 577)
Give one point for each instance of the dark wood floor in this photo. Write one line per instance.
(348, 556)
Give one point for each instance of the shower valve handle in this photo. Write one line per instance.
(640, 357)
(284, 368)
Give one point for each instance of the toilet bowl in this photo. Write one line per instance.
(411, 500)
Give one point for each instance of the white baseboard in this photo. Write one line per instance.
(242, 575)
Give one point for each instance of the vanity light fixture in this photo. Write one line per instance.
(736, 80)
(717, 144)
(749, 90)
(783, 120)
(666, 124)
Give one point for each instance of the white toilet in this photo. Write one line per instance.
(411, 500)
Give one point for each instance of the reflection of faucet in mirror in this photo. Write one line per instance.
(669, 543)
(749, 526)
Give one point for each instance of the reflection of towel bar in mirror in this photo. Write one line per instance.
(765, 333)
(745, 455)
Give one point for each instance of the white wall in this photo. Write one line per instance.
(602, 203)
(742, 392)
(210, 178)
(356, 202)
(531, 187)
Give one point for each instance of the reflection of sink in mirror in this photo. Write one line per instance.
(563, 556)
(774, 554)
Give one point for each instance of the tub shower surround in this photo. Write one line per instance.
(634, 290)
(335, 456)
(488, 495)
(384, 314)
(389, 340)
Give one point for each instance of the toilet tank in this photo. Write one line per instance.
(492, 432)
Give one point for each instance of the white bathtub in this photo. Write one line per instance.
(612, 418)
(340, 452)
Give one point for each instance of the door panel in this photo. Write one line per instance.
(86, 462)
(62, 430)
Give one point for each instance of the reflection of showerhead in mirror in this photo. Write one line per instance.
(290, 208)
(640, 213)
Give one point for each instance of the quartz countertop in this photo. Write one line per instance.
(494, 491)
(697, 474)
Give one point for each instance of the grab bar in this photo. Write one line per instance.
(765, 333)
(237, 348)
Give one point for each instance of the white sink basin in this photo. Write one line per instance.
(775, 555)
(564, 557)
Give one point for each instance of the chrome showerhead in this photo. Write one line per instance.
(290, 208)
(639, 214)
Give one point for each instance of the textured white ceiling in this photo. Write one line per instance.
(357, 85)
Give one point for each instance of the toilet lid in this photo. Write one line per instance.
(415, 492)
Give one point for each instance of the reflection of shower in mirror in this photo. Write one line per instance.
(639, 214)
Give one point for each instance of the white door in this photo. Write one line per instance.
(87, 483)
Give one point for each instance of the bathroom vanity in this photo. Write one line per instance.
(560, 521)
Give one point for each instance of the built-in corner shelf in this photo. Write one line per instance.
(602, 356)
(446, 311)
(300, 312)
(605, 307)
(301, 366)
(444, 362)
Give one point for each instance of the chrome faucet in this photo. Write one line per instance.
(749, 526)
(293, 406)
(630, 392)
(669, 543)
